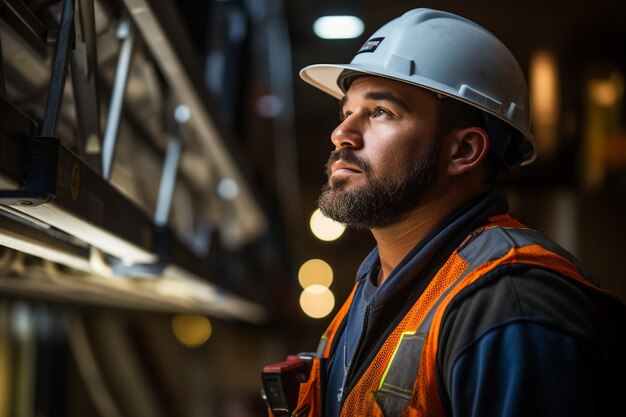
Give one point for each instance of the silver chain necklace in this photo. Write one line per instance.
(346, 365)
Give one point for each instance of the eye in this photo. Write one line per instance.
(343, 116)
(380, 112)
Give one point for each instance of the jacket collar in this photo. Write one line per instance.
(445, 238)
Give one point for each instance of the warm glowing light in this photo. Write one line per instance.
(338, 27)
(544, 86)
(324, 228)
(603, 92)
(315, 272)
(605, 97)
(544, 93)
(317, 301)
(191, 330)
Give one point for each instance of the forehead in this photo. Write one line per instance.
(367, 87)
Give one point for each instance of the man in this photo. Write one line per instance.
(460, 310)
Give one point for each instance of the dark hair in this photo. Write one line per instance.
(454, 114)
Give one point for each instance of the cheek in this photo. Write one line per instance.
(393, 162)
(395, 149)
(401, 152)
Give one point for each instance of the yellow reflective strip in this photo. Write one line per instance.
(495, 226)
(382, 380)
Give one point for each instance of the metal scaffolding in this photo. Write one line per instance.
(58, 158)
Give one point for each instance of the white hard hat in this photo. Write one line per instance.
(447, 54)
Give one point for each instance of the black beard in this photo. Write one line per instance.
(380, 202)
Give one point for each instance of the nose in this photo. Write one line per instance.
(347, 134)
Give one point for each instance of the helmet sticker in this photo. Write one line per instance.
(370, 45)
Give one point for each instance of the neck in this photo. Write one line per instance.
(396, 241)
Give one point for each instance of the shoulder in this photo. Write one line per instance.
(531, 295)
(529, 316)
(530, 286)
(531, 328)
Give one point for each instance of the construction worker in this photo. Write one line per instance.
(460, 310)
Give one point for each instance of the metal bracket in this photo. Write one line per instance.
(161, 216)
(41, 153)
(39, 177)
(162, 238)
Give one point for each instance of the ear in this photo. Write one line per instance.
(466, 149)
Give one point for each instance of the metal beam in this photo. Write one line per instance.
(3, 88)
(168, 181)
(80, 203)
(23, 21)
(175, 292)
(171, 52)
(70, 207)
(84, 73)
(59, 189)
(29, 237)
(59, 68)
(125, 32)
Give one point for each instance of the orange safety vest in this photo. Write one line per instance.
(400, 380)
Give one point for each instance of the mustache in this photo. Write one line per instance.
(346, 155)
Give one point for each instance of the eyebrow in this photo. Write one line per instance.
(380, 96)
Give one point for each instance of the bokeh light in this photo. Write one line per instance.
(315, 271)
(324, 228)
(191, 330)
(317, 301)
(338, 27)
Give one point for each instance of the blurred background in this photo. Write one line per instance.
(160, 163)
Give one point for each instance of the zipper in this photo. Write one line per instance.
(303, 412)
(469, 238)
(348, 385)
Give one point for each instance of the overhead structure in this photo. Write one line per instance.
(115, 173)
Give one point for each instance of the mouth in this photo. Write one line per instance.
(343, 168)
